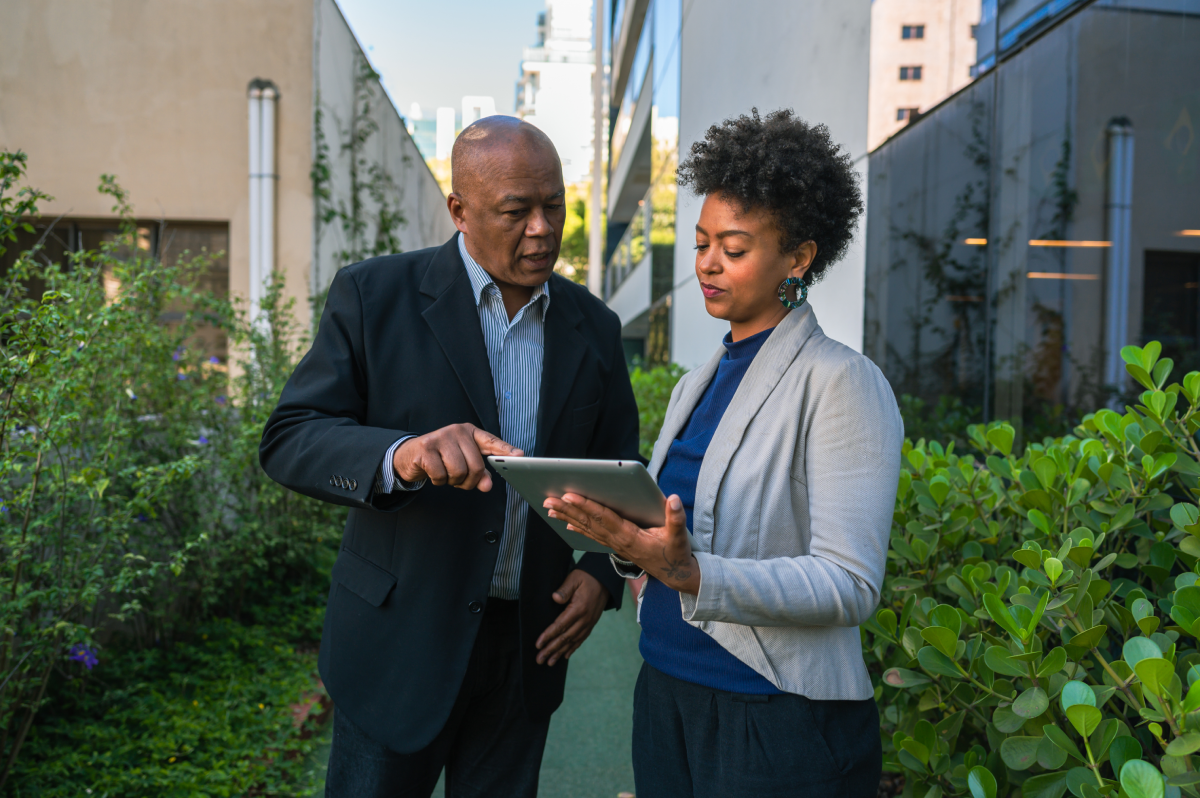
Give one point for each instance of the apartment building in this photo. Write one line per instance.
(922, 51)
(257, 130)
(1024, 230)
(676, 68)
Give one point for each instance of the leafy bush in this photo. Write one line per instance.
(1039, 622)
(652, 389)
(132, 506)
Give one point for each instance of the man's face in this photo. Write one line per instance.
(512, 212)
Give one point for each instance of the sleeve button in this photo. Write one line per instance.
(354, 484)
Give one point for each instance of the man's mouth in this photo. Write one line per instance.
(710, 291)
(538, 258)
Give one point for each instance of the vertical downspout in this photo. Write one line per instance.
(595, 242)
(262, 97)
(1119, 221)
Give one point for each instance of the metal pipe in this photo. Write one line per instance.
(1119, 214)
(262, 95)
(595, 242)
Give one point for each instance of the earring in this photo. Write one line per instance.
(801, 292)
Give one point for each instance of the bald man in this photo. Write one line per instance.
(454, 608)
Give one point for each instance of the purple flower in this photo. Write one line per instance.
(202, 441)
(3, 507)
(142, 518)
(182, 376)
(221, 400)
(216, 361)
(178, 353)
(81, 653)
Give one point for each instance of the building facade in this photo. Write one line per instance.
(676, 69)
(235, 138)
(922, 51)
(555, 88)
(1024, 230)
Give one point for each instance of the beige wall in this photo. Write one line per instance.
(945, 54)
(154, 91)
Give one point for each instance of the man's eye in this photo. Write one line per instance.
(554, 207)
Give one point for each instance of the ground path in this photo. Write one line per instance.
(588, 750)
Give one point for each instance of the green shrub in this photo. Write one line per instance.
(1039, 621)
(132, 505)
(652, 389)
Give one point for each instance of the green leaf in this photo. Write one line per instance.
(1030, 559)
(886, 618)
(1077, 777)
(1001, 436)
(1031, 703)
(1085, 719)
(1154, 674)
(1088, 638)
(1076, 694)
(998, 659)
(1054, 568)
(941, 638)
(1046, 785)
(1038, 518)
(901, 677)
(1053, 663)
(1020, 753)
(915, 748)
(1006, 720)
(947, 616)
(981, 782)
(1142, 780)
(1189, 743)
(1189, 598)
(1049, 755)
(995, 608)
(1137, 649)
(1122, 750)
(1046, 472)
(936, 662)
(1060, 738)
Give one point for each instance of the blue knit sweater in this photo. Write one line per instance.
(669, 643)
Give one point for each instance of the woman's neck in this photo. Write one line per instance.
(744, 329)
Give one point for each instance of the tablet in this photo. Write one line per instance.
(622, 485)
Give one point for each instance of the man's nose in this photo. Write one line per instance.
(538, 225)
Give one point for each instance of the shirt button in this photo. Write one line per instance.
(508, 394)
(475, 606)
(491, 537)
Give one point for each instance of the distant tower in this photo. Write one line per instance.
(445, 132)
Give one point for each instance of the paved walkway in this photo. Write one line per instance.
(587, 753)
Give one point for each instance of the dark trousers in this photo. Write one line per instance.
(488, 746)
(693, 742)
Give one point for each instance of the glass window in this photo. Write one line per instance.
(912, 32)
(910, 73)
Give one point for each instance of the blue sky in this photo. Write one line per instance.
(435, 51)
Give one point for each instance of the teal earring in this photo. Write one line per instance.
(801, 292)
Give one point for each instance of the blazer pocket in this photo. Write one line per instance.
(586, 415)
(363, 578)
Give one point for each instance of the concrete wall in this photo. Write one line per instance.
(811, 57)
(413, 190)
(155, 93)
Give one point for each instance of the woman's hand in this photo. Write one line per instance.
(664, 552)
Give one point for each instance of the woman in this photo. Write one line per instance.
(781, 455)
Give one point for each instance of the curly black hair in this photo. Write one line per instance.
(788, 167)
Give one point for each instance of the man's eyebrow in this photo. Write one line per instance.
(515, 198)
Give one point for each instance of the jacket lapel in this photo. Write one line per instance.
(776, 355)
(454, 320)
(691, 389)
(563, 350)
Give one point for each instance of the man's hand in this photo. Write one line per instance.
(664, 552)
(452, 455)
(586, 599)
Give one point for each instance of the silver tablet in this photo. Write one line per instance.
(622, 485)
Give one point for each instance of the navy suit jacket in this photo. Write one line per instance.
(400, 351)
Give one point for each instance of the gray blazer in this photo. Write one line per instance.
(793, 508)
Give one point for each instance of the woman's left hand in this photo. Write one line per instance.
(664, 552)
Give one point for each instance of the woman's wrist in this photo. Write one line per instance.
(681, 573)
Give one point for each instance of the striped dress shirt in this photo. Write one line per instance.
(515, 351)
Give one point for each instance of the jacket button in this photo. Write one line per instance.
(491, 537)
(475, 606)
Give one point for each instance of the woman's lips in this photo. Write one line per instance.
(710, 291)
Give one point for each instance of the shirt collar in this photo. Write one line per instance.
(480, 279)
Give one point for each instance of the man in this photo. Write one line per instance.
(453, 607)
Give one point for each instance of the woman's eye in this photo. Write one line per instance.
(734, 254)
(701, 247)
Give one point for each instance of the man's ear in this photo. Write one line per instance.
(457, 207)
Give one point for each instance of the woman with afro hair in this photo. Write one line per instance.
(780, 458)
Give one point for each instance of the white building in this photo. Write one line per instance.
(555, 89)
(445, 132)
(476, 107)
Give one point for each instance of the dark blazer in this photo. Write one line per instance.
(400, 351)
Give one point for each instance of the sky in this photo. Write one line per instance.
(436, 51)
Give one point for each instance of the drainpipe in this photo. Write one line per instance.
(1118, 213)
(262, 96)
(595, 242)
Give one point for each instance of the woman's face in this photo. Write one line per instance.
(740, 267)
